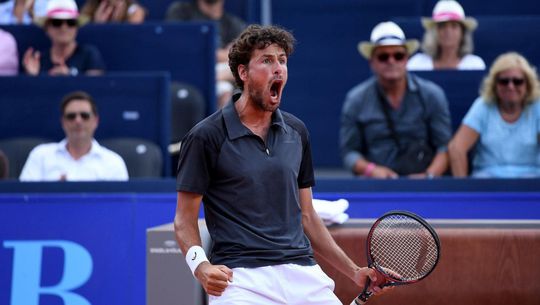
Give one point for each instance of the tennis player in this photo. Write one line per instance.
(251, 164)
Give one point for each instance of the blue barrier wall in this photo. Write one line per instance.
(134, 105)
(186, 50)
(461, 88)
(291, 10)
(387, 9)
(101, 227)
(110, 230)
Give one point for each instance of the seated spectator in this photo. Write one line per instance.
(228, 28)
(503, 123)
(9, 57)
(4, 166)
(22, 11)
(104, 11)
(37, 8)
(395, 123)
(66, 56)
(448, 40)
(15, 12)
(78, 157)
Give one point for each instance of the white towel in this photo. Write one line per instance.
(331, 212)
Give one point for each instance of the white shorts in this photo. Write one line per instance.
(281, 284)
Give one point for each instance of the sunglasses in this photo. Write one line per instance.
(71, 116)
(505, 81)
(58, 22)
(384, 57)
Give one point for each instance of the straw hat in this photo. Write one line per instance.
(449, 10)
(387, 34)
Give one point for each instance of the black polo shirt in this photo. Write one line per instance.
(250, 188)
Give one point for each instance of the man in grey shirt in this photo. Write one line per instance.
(394, 112)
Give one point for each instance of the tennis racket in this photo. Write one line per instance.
(402, 247)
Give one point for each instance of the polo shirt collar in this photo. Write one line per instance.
(94, 150)
(235, 128)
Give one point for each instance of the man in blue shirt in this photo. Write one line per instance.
(393, 113)
(251, 164)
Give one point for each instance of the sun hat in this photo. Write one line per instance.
(60, 9)
(449, 10)
(387, 34)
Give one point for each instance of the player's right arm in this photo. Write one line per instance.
(213, 278)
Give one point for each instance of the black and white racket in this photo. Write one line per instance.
(403, 247)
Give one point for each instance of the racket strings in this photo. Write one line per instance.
(403, 248)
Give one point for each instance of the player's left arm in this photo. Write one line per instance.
(323, 243)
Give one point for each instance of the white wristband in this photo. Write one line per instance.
(194, 257)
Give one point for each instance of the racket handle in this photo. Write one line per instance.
(357, 302)
(362, 298)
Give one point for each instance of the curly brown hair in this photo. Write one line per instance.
(257, 37)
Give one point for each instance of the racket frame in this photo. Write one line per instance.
(365, 295)
(393, 280)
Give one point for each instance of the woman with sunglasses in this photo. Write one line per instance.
(448, 40)
(503, 123)
(66, 56)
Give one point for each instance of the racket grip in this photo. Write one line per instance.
(362, 298)
(356, 302)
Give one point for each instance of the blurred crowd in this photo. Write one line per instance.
(394, 124)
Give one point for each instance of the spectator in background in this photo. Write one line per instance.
(66, 56)
(394, 123)
(9, 56)
(448, 40)
(78, 157)
(4, 165)
(15, 12)
(503, 123)
(37, 8)
(22, 11)
(228, 27)
(103, 11)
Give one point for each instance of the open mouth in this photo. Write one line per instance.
(275, 88)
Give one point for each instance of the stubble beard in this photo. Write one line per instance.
(257, 97)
